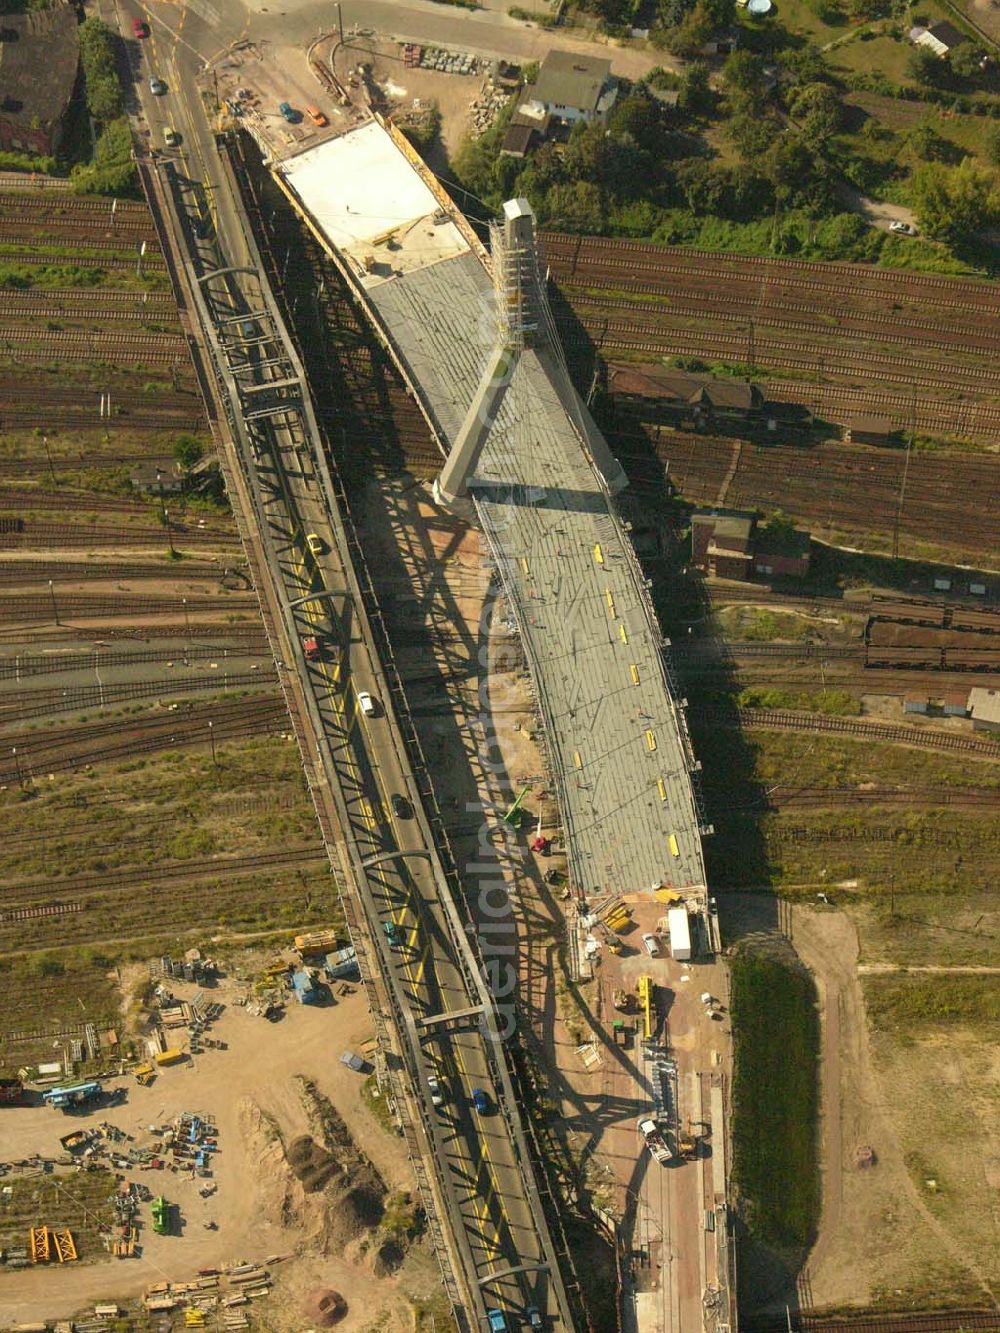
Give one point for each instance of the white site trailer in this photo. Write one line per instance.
(680, 933)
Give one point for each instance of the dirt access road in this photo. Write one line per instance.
(253, 1079)
(877, 1227)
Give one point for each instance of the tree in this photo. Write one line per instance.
(965, 60)
(638, 116)
(992, 145)
(817, 107)
(927, 68)
(869, 9)
(955, 204)
(753, 134)
(720, 13)
(673, 12)
(693, 33)
(928, 145)
(104, 99)
(743, 72)
(188, 451)
(695, 94)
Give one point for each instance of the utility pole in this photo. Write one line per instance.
(55, 609)
(48, 455)
(906, 469)
(211, 737)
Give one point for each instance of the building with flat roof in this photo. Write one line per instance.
(571, 88)
(984, 708)
(872, 430)
(39, 56)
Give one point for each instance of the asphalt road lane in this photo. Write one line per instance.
(481, 1156)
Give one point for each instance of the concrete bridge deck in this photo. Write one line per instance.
(616, 737)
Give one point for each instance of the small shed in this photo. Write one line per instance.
(518, 141)
(915, 703)
(873, 430)
(156, 480)
(302, 985)
(941, 38)
(984, 706)
(955, 704)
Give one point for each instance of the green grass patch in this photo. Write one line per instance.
(904, 1003)
(758, 625)
(836, 703)
(775, 1170)
(377, 1102)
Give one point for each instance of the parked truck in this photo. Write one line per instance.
(654, 1140)
(64, 1098)
(161, 1214)
(680, 933)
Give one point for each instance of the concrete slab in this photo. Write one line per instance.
(368, 200)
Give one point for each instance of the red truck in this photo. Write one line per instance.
(311, 650)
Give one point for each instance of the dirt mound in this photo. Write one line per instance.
(324, 1307)
(311, 1164)
(329, 1169)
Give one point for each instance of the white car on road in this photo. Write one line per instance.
(366, 703)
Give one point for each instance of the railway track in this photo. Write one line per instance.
(822, 484)
(34, 182)
(780, 720)
(241, 637)
(641, 334)
(18, 609)
(940, 1321)
(711, 299)
(956, 798)
(28, 467)
(86, 502)
(133, 348)
(15, 573)
(26, 666)
(28, 229)
(71, 748)
(844, 278)
(90, 537)
(179, 872)
(26, 704)
(972, 420)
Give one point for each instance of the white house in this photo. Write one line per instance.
(569, 88)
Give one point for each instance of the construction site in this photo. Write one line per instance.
(448, 680)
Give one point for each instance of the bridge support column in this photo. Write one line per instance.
(451, 488)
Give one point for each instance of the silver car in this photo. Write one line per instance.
(157, 87)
